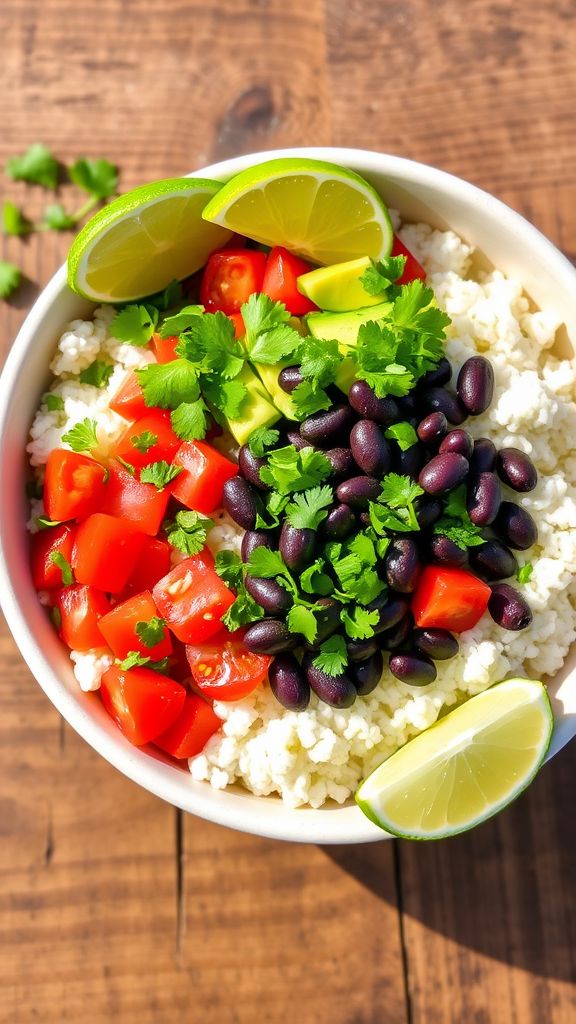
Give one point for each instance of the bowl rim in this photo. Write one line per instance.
(273, 819)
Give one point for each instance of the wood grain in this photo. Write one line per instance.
(113, 907)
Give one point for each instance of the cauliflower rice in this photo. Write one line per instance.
(323, 753)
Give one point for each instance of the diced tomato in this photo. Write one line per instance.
(81, 609)
(143, 703)
(149, 439)
(413, 271)
(129, 399)
(192, 729)
(239, 328)
(165, 348)
(143, 505)
(57, 539)
(205, 472)
(226, 670)
(73, 486)
(119, 628)
(280, 280)
(106, 550)
(230, 278)
(192, 599)
(449, 599)
(153, 564)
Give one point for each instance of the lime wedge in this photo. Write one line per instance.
(466, 767)
(316, 209)
(338, 288)
(143, 240)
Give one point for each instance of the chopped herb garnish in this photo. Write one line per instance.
(160, 474)
(167, 385)
(261, 439)
(269, 336)
(455, 523)
(127, 465)
(187, 531)
(82, 437)
(43, 523)
(64, 565)
(136, 660)
(37, 166)
(359, 622)
(332, 656)
(403, 433)
(134, 324)
(302, 620)
(98, 374)
(309, 508)
(189, 420)
(229, 567)
(10, 278)
(151, 632)
(172, 326)
(382, 273)
(395, 508)
(145, 441)
(289, 470)
(54, 403)
(524, 572)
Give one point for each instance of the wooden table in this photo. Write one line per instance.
(115, 907)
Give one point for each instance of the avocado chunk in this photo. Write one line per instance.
(344, 327)
(257, 409)
(338, 287)
(269, 376)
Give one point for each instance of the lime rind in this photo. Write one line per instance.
(370, 796)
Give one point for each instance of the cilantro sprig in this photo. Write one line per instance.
(455, 523)
(160, 474)
(378, 277)
(134, 324)
(83, 437)
(151, 632)
(10, 278)
(188, 531)
(395, 509)
(288, 470)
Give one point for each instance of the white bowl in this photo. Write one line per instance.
(419, 193)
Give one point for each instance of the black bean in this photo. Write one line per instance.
(239, 500)
(516, 469)
(360, 650)
(398, 635)
(516, 526)
(270, 636)
(492, 561)
(436, 377)
(341, 460)
(339, 522)
(408, 406)
(364, 401)
(391, 608)
(326, 427)
(447, 552)
(295, 438)
(288, 682)
(475, 385)
(338, 691)
(458, 441)
(289, 378)
(297, 546)
(414, 669)
(483, 498)
(358, 491)
(410, 461)
(328, 618)
(432, 428)
(269, 594)
(441, 400)
(438, 644)
(250, 466)
(428, 511)
(402, 565)
(370, 449)
(367, 674)
(443, 473)
(483, 459)
(508, 608)
(253, 539)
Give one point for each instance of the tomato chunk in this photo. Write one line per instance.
(74, 485)
(81, 609)
(449, 599)
(126, 498)
(165, 348)
(282, 272)
(152, 565)
(192, 729)
(129, 399)
(120, 628)
(239, 328)
(230, 278)
(206, 471)
(57, 539)
(413, 271)
(105, 553)
(149, 439)
(226, 670)
(143, 703)
(192, 599)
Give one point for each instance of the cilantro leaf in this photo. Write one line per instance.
(244, 611)
(10, 278)
(260, 314)
(135, 660)
(383, 519)
(269, 336)
(209, 342)
(308, 398)
(151, 632)
(187, 531)
(13, 220)
(168, 385)
(332, 657)
(403, 433)
(260, 439)
(37, 166)
(289, 470)
(145, 441)
(269, 510)
(399, 490)
(97, 177)
(229, 396)
(98, 374)
(56, 218)
(57, 558)
(313, 579)
(266, 564)
(127, 465)
(524, 572)
(43, 523)
(359, 623)
(229, 567)
(363, 547)
(302, 620)
(160, 474)
(319, 360)
(309, 508)
(180, 322)
(134, 324)
(455, 523)
(170, 296)
(398, 493)
(382, 273)
(54, 403)
(83, 437)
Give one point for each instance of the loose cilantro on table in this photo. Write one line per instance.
(98, 374)
(135, 324)
(187, 531)
(382, 273)
(14, 222)
(151, 632)
(55, 218)
(10, 278)
(83, 437)
(57, 558)
(37, 166)
(97, 177)
(160, 474)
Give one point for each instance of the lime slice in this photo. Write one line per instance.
(464, 768)
(143, 240)
(338, 287)
(318, 210)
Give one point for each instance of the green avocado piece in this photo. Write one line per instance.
(257, 409)
(338, 287)
(344, 327)
(269, 376)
